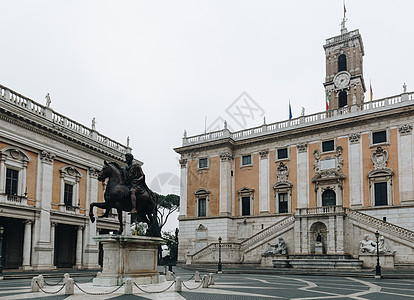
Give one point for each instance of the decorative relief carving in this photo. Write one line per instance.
(282, 172)
(405, 128)
(263, 154)
(226, 156)
(379, 158)
(354, 137)
(183, 163)
(47, 157)
(71, 172)
(302, 147)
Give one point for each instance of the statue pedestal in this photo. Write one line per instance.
(134, 257)
(318, 248)
(369, 260)
(275, 261)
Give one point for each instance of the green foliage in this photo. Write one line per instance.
(171, 241)
(166, 206)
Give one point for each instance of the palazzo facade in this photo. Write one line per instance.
(341, 173)
(48, 177)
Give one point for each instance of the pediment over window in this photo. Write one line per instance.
(282, 185)
(70, 171)
(331, 174)
(15, 154)
(245, 190)
(201, 191)
(383, 172)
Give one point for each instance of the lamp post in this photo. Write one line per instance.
(377, 267)
(219, 262)
(1, 248)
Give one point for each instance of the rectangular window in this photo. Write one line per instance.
(68, 194)
(246, 160)
(379, 137)
(283, 203)
(12, 180)
(282, 153)
(381, 195)
(245, 206)
(203, 163)
(202, 207)
(328, 146)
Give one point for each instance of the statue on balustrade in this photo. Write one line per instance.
(126, 190)
(277, 249)
(367, 245)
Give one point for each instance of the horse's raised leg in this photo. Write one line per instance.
(121, 226)
(97, 204)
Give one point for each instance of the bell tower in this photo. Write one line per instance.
(344, 81)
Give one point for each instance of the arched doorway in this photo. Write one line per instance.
(318, 233)
(328, 198)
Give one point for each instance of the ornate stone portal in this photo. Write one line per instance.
(128, 257)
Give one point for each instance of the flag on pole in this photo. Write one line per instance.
(344, 10)
(290, 111)
(327, 100)
(370, 90)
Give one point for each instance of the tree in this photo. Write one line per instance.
(166, 206)
(171, 240)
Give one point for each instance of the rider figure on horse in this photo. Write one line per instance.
(134, 178)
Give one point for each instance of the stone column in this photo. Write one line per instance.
(405, 162)
(79, 239)
(183, 188)
(303, 176)
(52, 242)
(225, 183)
(339, 235)
(91, 248)
(2, 173)
(42, 246)
(355, 170)
(331, 236)
(264, 201)
(27, 245)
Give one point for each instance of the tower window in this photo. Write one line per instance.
(343, 99)
(342, 63)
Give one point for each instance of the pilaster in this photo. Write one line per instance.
(79, 240)
(225, 183)
(331, 235)
(304, 236)
(339, 234)
(303, 176)
(264, 201)
(27, 245)
(355, 170)
(42, 244)
(183, 188)
(405, 162)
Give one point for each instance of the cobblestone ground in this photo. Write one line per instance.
(231, 287)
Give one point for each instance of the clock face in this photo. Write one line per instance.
(341, 80)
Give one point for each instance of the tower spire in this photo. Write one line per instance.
(343, 28)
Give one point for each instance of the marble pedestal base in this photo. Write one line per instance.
(318, 248)
(275, 261)
(125, 257)
(370, 260)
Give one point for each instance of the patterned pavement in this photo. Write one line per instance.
(231, 287)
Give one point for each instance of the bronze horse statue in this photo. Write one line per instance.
(117, 195)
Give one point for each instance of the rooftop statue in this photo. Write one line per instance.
(126, 190)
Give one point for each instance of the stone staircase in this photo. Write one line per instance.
(403, 235)
(322, 261)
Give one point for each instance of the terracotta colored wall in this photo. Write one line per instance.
(208, 179)
(82, 190)
(343, 142)
(392, 150)
(292, 165)
(247, 177)
(57, 165)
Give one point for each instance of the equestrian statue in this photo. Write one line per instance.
(126, 190)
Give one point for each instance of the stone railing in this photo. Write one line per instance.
(382, 226)
(337, 209)
(342, 37)
(267, 232)
(16, 199)
(212, 248)
(300, 121)
(21, 102)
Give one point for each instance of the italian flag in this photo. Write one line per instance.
(327, 100)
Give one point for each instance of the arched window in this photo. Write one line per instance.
(343, 99)
(342, 63)
(328, 198)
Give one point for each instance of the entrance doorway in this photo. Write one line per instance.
(12, 248)
(65, 246)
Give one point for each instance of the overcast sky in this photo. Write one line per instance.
(152, 69)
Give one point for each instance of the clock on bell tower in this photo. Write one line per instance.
(344, 81)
